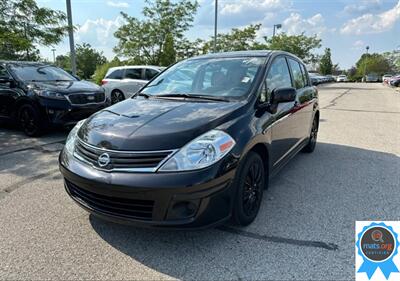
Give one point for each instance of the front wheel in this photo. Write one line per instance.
(30, 121)
(250, 187)
(312, 141)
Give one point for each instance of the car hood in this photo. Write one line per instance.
(66, 87)
(155, 124)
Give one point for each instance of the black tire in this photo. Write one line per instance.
(249, 190)
(30, 121)
(312, 140)
(117, 96)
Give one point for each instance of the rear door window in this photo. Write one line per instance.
(116, 74)
(150, 73)
(297, 74)
(133, 73)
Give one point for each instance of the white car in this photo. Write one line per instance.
(386, 78)
(123, 82)
(341, 78)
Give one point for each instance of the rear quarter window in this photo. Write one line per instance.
(115, 74)
(297, 74)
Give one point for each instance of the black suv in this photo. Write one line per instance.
(197, 145)
(37, 95)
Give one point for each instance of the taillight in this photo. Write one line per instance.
(103, 82)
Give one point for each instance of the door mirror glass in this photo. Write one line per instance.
(281, 95)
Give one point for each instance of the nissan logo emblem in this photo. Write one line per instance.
(103, 160)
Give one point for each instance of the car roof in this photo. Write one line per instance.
(249, 53)
(136, 66)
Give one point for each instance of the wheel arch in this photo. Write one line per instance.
(262, 150)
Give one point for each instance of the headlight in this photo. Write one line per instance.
(50, 94)
(71, 139)
(201, 152)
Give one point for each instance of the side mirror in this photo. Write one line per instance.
(280, 95)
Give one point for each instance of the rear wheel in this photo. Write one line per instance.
(30, 121)
(250, 187)
(312, 141)
(117, 96)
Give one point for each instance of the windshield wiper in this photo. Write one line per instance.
(183, 95)
(143, 95)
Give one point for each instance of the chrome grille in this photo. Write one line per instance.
(146, 161)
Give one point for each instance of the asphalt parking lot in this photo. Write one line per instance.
(305, 229)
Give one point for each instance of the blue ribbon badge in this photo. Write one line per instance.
(377, 244)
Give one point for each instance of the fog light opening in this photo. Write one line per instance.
(184, 209)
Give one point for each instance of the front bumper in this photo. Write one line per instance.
(61, 112)
(193, 199)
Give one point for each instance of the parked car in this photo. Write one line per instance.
(386, 78)
(38, 95)
(341, 78)
(395, 81)
(198, 151)
(124, 81)
(371, 78)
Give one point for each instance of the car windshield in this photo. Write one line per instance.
(223, 78)
(40, 73)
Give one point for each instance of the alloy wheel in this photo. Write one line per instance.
(252, 191)
(28, 121)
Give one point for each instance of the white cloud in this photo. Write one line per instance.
(372, 23)
(358, 45)
(243, 6)
(99, 33)
(117, 4)
(296, 24)
(362, 7)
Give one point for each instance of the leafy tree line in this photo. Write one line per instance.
(24, 25)
(157, 38)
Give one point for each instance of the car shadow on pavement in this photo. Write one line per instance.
(316, 198)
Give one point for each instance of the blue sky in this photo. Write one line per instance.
(344, 26)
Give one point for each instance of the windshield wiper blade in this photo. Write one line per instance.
(143, 95)
(183, 95)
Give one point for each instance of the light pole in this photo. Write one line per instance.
(215, 26)
(71, 38)
(276, 26)
(365, 64)
(54, 55)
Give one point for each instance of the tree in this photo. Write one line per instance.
(236, 40)
(187, 49)
(325, 64)
(64, 62)
(393, 58)
(101, 70)
(168, 55)
(299, 45)
(143, 40)
(372, 63)
(87, 60)
(24, 25)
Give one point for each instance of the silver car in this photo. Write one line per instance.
(124, 81)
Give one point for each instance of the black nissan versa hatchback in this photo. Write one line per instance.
(37, 95)
(197, 145)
